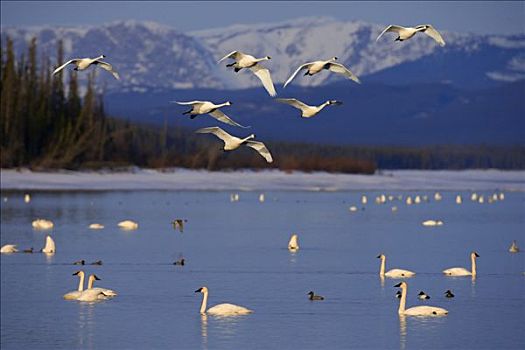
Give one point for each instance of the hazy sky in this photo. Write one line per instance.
(503, 17)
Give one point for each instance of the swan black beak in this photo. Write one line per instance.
(96, 278)
(398, 285)
(476, 254)
(379, 256)
(76, 273)
(198, 290)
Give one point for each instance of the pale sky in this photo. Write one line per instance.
(501, 17)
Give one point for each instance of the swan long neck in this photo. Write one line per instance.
(91, 280)
(222, 105)
(324, 105)
(261, 59)
(383, 264)
(403, 300)
(81, 282)
(252, 136)
(204, 303)
(473, 259)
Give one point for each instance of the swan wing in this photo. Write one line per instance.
(64, 65)
(390, 28)
(425, 311)
(217, 114)
(261, 148)
(228, 309)
(215, 130)
(234, 54)
(306, 65)
(293, 102)
(457, 271)
(108, 67)
(399, 273)
(340, 69)
(434, 34)
(264, 76)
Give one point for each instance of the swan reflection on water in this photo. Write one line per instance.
(86, 324)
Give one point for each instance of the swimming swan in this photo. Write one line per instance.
(207, 107)
(417, 310)
(293, 244)
(128, 225)
(408, 32)
(306, 110)
(317, 66)
(8, 249)
(221, 309)
(232, 142)
(460, 271)
(49, 248)
(75, 294)
(84, 63)
(394, 273)
(107, 293)
(41, 224)
(96, 226)
(243, 60)
(514, 247)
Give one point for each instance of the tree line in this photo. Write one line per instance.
(46, 123)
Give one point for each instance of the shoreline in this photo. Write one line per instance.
(179, 179)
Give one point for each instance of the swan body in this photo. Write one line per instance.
(432, 223)
(460, 271)
(96, 226)
(312, 296)
(293, 244)
(221, 309)
(84, 63)
(207, 107)
(42, 224)
(405, 33)
(306, 110)
(8, 249)
(93, 294)
(49, 248)
(417, 310)
(232, 142)
(128, 225)
(393, 273)
(514, 247)
(243, 60)
(315, 67)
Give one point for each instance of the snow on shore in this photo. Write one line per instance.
(182, 179)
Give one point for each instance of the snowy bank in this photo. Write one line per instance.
(182, 179)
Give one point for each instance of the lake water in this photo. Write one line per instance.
(238, 250)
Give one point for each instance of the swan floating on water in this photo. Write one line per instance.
(416, 310)
(514, 247)
(459, 200)
(128, 225)
(96, 226)
(106, 293)
(42, 224)
(394, 273)
(405, 33)
(8, 249)
(75, 294)
(27, 198)
(432, 223)
(460, 271)
(261, 198)
(221, 309)
(84, 63)
(364, 200)
(306, 110)
(315, 67)
(49, 248)
(207, 107)
(293, 244)
(312, 296)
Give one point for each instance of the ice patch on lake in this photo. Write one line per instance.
(183, 179)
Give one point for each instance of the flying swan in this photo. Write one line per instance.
(232, 142)
(394, 273)
(317, 66)
(243, 60)
(84, 63)
(306, 110)
(417, 310)
(460, 271)
(221, 309)
(207, 107)
(408, 32)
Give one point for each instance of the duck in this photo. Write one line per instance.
(96, 226)
(85, 63)
(80, 262)
(179, 224)
(221, 309)
(75, 294)
(315, 67)
(49, 248)
(416, 310)
(179, 262)
(243, 60)
(293, 244)
(423, 296)
(207, 107)
(312, 296)
(306, 110)
(8, 249)
(232, 142)
(30, 250)
(448, 294)
(405, 33)
(42, 224)
(460, 271)
(394, 273)
(128, 225)
(514, 247)
(98, 262)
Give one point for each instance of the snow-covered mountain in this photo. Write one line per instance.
(149, 55)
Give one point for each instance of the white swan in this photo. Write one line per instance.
(42, 224)
(394, 273)
(27, 198)
(221, 309)
(207, 107)
(432, 223)
(107, 293)
(293, 244)
(405, 33)
(8, 249)
(417, 310)
(232, 142)
(84, 63)
(514, 247)
(306, 110)
(49, 248)
(75, 294)
(459, 200)
(128, 225)
(460, 271)
(243, 60)
(96, 226)
(317, 66)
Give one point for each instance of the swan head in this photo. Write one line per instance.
(202, 290)
(474, 255)
(268, 57)
(401, 285)
(96, 278)
(79, 273)
(334, 58)
(252, 136)
(334, 102)
(228, 103)
(380, 256)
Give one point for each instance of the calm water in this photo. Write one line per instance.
(239, 251)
